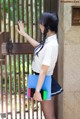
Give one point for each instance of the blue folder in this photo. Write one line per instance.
(32, 82)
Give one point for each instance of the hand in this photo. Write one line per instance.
(37, 96)
(21, 28)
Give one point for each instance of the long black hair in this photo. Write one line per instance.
(50, 22)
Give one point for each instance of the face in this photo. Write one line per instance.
(41, 28)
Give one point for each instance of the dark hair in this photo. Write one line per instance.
(50, 22)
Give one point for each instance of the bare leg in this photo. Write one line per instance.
(48, 109)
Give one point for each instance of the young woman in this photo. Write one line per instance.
(45, 58)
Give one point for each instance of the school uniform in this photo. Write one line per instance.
(47, 56)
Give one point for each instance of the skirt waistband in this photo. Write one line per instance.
(38, 73)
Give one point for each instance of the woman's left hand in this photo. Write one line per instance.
(37, 96)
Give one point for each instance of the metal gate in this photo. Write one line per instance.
(14, 68)
(13, 73)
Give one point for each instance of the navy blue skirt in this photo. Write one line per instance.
(55, 87)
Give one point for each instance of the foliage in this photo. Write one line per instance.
(12, 9)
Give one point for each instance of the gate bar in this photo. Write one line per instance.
(4, 2)
(0, 15)
(9, 28)
(27, 17)
(23, 65)
(31, 55)
(19, 84)
(14, 57)
(10, 85)
(6, 89)
(1, 90)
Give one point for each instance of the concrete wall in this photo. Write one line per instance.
(69, 64)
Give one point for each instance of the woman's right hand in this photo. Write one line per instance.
(21, 31)
(21, 28)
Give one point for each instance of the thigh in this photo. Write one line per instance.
(48, 109)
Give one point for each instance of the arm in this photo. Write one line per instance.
(42, 77)
(21, 31)
(37, 95)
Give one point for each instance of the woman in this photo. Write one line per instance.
(45, 58)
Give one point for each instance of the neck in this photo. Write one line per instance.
(50, 33)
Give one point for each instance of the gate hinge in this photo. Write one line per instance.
(9, 46)
(2, 115)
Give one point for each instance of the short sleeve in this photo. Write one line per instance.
(47, 56)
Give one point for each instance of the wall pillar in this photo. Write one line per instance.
(68, 64)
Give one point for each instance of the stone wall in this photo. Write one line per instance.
(69, 64)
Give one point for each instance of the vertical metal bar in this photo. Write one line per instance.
(33, 109)
(10, 85)
(10, 59)
(23, 13)
(13, 20)
(31, 55)
(19, 85)
(36, 109)
(6, 89)
(28, 99)
(24, 86)
(27, 16)
(40, 15)
(36, 16)
(4, 2)
(9, 16)
(1, 17)
(32, 101)
(1, 68)
(27, 54)
(41, 112)
(18, 18)
(1, 90)
(14, 61)
(23, 65)
(41, 6)
(31, 18)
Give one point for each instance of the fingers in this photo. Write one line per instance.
(37, 98)
(20, 30)
(20, 23)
